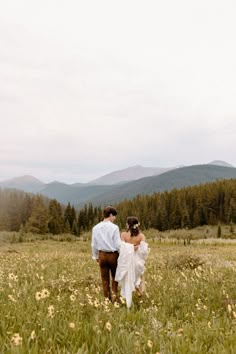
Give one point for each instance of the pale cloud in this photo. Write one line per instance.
(89, 87)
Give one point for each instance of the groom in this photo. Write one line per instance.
(105, 250)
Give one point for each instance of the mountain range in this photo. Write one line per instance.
(124, 184)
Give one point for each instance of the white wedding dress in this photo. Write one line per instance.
(130, 268)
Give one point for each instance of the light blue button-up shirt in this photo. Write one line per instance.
(105, 237)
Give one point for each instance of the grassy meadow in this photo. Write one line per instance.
(51, 300)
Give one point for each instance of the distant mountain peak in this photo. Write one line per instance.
(23, 179)
(26, 183)
(220, 163)
(131, 173)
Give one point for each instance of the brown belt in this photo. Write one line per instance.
(108, 251)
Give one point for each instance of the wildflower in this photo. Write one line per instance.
(229, 308)
(137, 333)
(116, 305)
(38, 295)
(108, 326)
(72, 325)
(33, 335)
(122, 300)
(234, 314)
(97, 290)
(11, 297)
(51, 311)
(96, 303)
(183, 275)
(89, 297)
(45, 293)
(106, 301)
(106, 308)
(149, 343)
(209, 324)
(12, 276)
(72, 297)
(16, 339)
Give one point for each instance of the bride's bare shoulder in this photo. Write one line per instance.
(142, 237)
(124, 236)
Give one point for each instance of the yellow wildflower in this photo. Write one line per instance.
(38, 295)
(108, 326)
(72, 297)
(45, 293)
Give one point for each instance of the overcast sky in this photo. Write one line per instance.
(89, 87)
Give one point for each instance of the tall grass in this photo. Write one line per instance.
(51, 302)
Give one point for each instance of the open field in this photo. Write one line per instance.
(51, 301)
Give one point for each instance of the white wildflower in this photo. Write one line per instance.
(33, 335)
(16, 339)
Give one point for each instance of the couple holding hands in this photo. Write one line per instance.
(121, 257)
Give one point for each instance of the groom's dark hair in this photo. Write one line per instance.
(108, 211)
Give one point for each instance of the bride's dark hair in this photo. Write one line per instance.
(133, 225)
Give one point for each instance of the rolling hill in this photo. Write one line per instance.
(26, 183)
(178, 178)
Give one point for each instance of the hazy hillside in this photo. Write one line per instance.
(75, 194)
(25, 183)
(178, 178)
(130, 174)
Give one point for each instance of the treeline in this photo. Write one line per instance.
(207, 204)
(37, 214)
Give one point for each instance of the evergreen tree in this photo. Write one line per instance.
(38, 221)
(55, 224)
(68, 218)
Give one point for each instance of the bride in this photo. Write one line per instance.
(131, 261)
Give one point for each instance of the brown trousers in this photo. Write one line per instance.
(108, 264)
